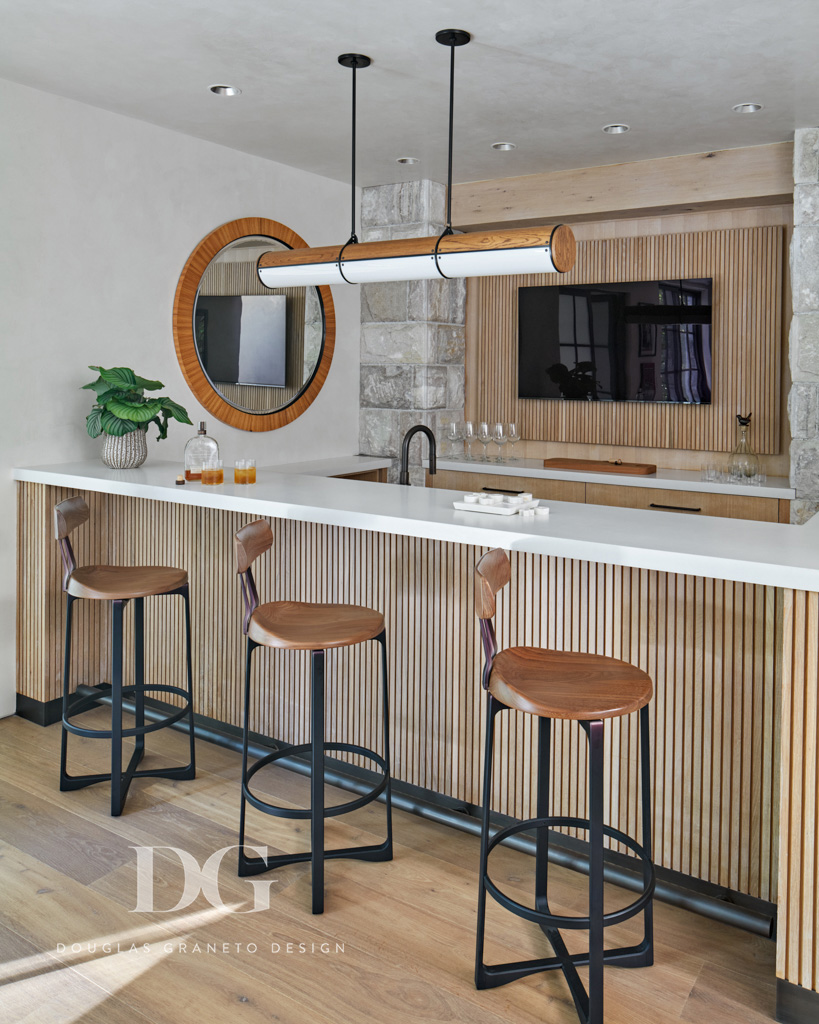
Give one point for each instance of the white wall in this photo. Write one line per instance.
(98, 214)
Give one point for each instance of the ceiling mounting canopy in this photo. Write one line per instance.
(479, 254)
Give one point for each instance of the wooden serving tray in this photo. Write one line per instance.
(601, 466)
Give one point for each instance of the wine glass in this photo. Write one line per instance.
(455, 436)
(500, 439)
(485, 438)
(469, 438)
(512, 436)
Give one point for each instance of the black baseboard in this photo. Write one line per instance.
(41, 712)
(796, 1005)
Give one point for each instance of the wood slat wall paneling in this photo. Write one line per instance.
(798, 925)
(712, 648)
(746, 265)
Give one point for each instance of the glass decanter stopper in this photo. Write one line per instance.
(199, 451)
(743, 463)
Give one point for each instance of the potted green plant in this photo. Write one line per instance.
(123, 413)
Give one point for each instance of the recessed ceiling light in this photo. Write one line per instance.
(504, 146)
(407, 160)
(615, 129)
(225, 90)
(746, 108)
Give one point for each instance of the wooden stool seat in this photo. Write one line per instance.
(302, 626)
(568, 685)
(124, 582)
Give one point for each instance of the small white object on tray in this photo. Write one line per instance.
(499, 505)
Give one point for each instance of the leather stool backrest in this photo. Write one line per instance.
(250, 542)
(492, 573)
(68, 515)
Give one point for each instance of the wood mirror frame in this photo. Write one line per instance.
(183, 308)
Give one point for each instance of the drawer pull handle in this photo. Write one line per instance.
(675, 508)
(500, 490)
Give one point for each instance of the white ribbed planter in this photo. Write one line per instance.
(126, 452)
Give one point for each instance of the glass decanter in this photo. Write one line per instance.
(199, 451)
(743, 464)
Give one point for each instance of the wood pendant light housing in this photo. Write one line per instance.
(477, 254)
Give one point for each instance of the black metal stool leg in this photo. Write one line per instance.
(66, 692)
(117, 794)
(492, 708)
(251, 647)
(645, 783)
(189, 672)
(596, 784)
(139, 673)
(385, 715)
(544, 755)
(317, 781)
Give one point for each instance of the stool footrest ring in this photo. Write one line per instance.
(304, 813)
(556, 920)
(84, 704)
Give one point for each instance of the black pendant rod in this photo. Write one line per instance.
(353, 61)
(451, 37)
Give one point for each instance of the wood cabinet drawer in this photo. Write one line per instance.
(731, 506)
(378, 476)
(557, 490)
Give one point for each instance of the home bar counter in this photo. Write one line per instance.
(723, 614)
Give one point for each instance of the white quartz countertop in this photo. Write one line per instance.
(667, 479)
(772, 554)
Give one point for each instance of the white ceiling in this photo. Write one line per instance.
(542, 74)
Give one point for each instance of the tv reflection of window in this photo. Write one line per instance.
(644, 341)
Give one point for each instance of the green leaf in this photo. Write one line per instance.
(97, 385)
(113, 425)
(117, 377)
(175, 410)
(93, 422)
(137, 412)
(148, 385)
(162, 425)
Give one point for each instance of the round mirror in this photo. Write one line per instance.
(255, 357)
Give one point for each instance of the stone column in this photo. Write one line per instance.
(803, 402)
(412, 333)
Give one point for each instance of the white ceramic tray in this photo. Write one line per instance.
(501, 509)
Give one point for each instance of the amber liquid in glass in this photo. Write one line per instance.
(240, 475)
(213, 476)
(190, 475)
(250, 475)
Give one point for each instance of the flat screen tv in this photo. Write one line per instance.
(242, 339)
(639, 341)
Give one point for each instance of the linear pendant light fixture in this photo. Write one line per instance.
(539, 250)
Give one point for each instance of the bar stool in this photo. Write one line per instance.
(302, 626)
(119, 585)
(586, 688)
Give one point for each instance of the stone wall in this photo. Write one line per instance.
(803, 402)
(412, 332)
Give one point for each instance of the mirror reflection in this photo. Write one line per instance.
(259, 347)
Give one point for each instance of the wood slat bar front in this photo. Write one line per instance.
(711, 647)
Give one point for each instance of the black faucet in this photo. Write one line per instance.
(403, 476)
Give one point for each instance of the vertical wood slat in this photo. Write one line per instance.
(798, 925)
(711, 648)
(746, 265)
